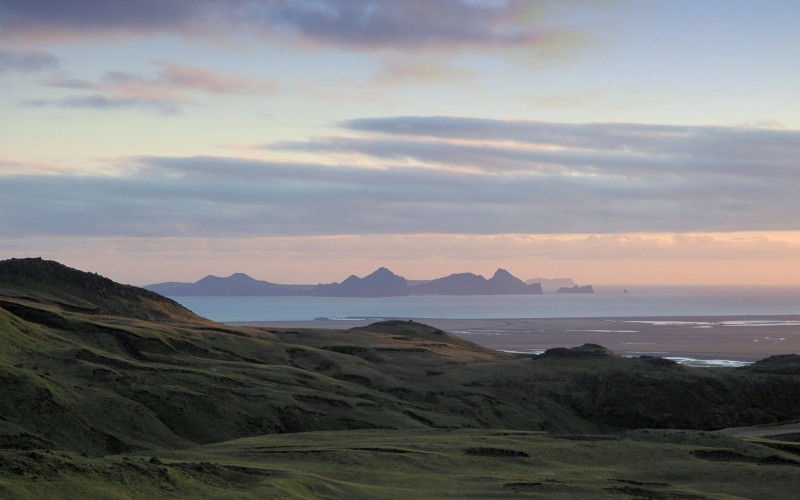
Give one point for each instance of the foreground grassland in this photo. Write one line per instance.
(108, 391)
(420, 464)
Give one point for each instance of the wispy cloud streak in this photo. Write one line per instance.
(104, 103)
(644, 137)
(26, 61)
(166, 92)
(624, 148)
(176, 77)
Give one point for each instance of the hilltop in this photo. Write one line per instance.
(49, 282)
(120, 375)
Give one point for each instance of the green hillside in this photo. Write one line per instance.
(96, 377)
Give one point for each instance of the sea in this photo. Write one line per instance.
(607, 301)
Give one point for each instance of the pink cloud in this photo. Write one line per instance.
(9, 166)
(175, 79)
(403, 69)
(174, 84)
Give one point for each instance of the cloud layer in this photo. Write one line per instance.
(409, 42)
(443, 176)
(354, 24)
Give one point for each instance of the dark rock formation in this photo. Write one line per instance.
(584, 351)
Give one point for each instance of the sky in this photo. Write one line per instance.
(301, 141)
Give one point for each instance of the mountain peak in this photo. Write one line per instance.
(502, 282)
(381, 271)
(233, 278)
(502, 273)
(241, 277)
(381, 283)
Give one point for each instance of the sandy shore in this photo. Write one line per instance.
(736, 338)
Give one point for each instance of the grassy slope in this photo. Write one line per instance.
(419, 464)
(49, 282)
(102, 384)
(90, 366)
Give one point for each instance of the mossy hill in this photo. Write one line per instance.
(49, 282)
(92, 367)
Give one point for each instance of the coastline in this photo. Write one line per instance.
(708, 340)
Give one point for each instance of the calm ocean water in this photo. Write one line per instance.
(608, 301)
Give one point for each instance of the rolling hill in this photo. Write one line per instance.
(97, 377)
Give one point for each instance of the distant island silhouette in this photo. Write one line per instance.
(551, 284)
(381, 283)
(576, 289)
